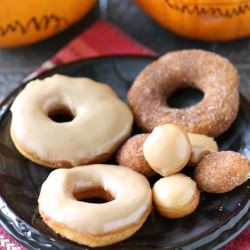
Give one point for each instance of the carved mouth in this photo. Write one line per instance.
(38, 23)
(227, 10)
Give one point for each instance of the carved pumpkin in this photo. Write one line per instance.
(28, 21)
(214, 20)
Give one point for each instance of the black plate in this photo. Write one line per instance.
(218, 219)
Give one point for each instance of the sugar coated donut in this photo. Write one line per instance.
(222, 171)
(100, 121)
(201, 146)
(175, 196)
(95, 224)
(211, 73)
(131, 155)
(167, 149)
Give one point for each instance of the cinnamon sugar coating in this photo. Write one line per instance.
(211, 73)
(131, 155)
(222, 171)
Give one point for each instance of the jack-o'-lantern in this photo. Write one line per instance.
(212, 20)
(28, 21)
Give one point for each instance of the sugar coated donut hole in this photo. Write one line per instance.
(221, 172)
(131, 155)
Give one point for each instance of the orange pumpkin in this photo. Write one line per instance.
(28, 21)
(212, 20)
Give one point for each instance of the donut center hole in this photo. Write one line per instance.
(96, 196)
(60, 114)
(184, 98)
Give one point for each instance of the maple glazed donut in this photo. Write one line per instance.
(211, 73)
(202, 145)
(100, 121)
(175, 196)
(95, 224)
(167, 149)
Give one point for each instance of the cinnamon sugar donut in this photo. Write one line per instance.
(131, 155)
(211, 73)
(221, 172)
(101, 121)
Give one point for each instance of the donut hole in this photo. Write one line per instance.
(60, 114)
(185, 97)
(96, 196)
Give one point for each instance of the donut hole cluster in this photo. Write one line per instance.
(184, 97)
(60, 113)
(97, 195)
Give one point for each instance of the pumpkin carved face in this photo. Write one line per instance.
(28, 21)
(212, 20)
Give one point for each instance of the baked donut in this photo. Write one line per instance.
(131, 155)
(101, 122)
(211, 73)
(95, 224)
(201, 146)
(221, 172)
(167, 149)
(175, 196)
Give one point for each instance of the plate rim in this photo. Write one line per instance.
(4, 109)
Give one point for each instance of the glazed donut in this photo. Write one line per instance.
(95, 224)
(175, 196)
(211, 73)
(222, 171)
(131, 155)
(167, 149)
(201, 145)
(101, 122)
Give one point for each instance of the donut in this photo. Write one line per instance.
(221, 172)
(201, 146)
(92, 224)
(211, 73)
(131, 155)
(100, 121)
(175, 196)
(167, 149)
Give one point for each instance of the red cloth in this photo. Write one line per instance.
(242, 242)
(103, 38)
(99, 40)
